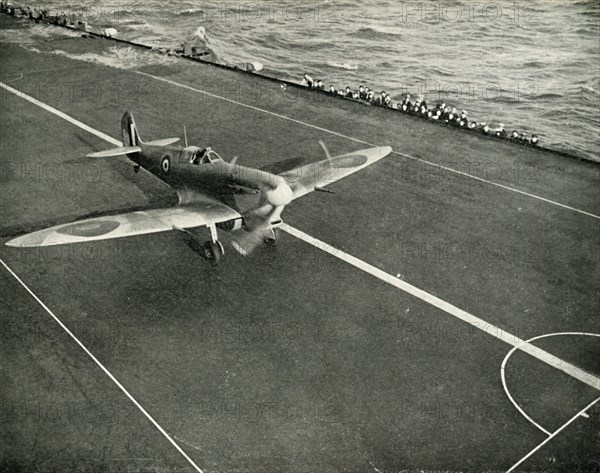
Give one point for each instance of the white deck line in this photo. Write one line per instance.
(510, 353)
(532, 350)
(103, 368)
(481, 324)
(581, 413)
(331, 132)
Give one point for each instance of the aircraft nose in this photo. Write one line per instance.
(281, 195)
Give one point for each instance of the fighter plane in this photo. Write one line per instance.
(212, 193)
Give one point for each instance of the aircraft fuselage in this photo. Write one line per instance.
(174, 165)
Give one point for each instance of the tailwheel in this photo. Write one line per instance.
(213, 252)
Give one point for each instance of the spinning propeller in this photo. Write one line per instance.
(261, 222)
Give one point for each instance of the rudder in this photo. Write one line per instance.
(129, 132)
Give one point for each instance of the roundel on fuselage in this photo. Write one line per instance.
(165, 164)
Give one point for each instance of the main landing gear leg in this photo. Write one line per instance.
(271, 237)
(213, 249)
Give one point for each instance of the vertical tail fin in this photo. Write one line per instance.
(129, 132)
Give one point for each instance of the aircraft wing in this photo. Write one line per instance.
(306, 178)
(129, 224)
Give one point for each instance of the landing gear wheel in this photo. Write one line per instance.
(213, 251)
(270, 238)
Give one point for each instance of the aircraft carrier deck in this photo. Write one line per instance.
(375, 336)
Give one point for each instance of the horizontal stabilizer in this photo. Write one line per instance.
(162, 142)
(109, 153)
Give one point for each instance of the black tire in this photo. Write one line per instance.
(213, 252)
(271, 239)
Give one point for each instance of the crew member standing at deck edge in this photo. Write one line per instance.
(307, 81)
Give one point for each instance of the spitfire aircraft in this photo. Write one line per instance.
(213, 193)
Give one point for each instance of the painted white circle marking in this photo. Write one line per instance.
(510, 353)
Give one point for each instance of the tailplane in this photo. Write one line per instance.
(109, 153)
(132, 143)
(131, 137)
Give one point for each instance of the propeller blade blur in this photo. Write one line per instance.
(247, 242)
(325, 149)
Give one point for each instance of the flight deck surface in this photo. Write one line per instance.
(305, 356)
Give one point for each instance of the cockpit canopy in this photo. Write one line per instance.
(209, 156)
(195, 155)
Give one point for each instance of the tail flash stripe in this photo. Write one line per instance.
(132, 134)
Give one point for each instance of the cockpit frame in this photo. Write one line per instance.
(197, 156)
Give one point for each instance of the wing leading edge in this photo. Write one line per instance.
(129, 224)
(302, 181)
(305, 179)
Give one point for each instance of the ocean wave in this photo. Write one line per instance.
(138, 25)
(373, 34)
(133, 21)
(120, 58)
(343, 65)
(586, 89)
(534, 64)
(122, 12)
(593, 9)
(567, 146)
(586, 31)
(35, 33)
(156, 41)
(190, 12)
(548, 95)
(370, 42)
(443, 72)
(272, 40)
